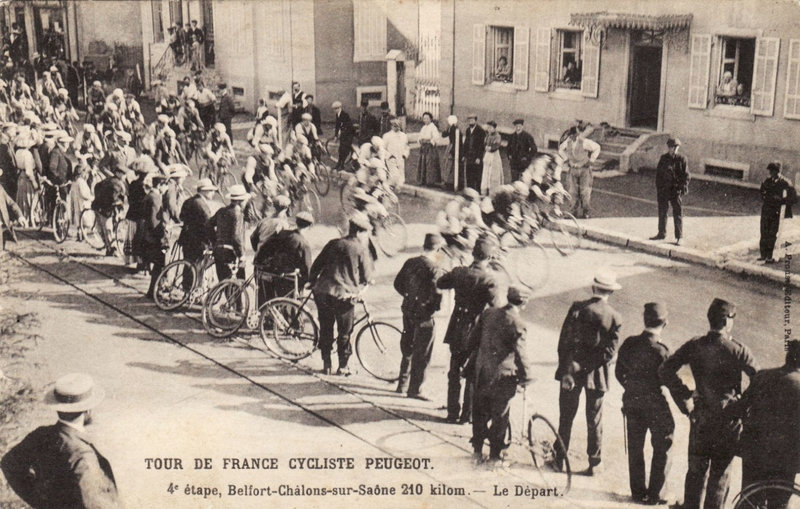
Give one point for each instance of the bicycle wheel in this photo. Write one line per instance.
(226, 181)
(565, 233)
(378, 350)
(120, 236)
(391, 234)
(225, 309)
(60, 222)
(37, 212)
(529, 262)
(311, 203)
(90, 228)
(769, 495)
(287, 329)
(175, 284)
(323, 180)
(547, 450)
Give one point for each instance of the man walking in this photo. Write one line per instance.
(579, 152)
(344, 132)
(776, 191)
(672, 182)
(475, 289)
(473, 150)
(416, 282)
(644, 406)
(586, 346)
(343, 266)
(521, 149)
(717, 362)
(499, 343)
(57, 465)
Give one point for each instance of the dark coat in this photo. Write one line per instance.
(588, 342)
(772, 191)
(636, 370)
(109, 193)
(316, 117)
(136, 194)
(343, 128)
(340, 268)
(227, 109)
(368, 126)
(672, 177)
(500, 336)
(59, 168)
(416, 282)
(285, 252)
(151, 232)
(56, 467)
(10, 172)
(475, 289)
(195, 216)
(474, 144)
(226, 227)
(7, 208)
(521, 149)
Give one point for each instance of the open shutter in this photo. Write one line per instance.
(521, 45)
(590, 78)
(791, 106)
(698, 71)
(478, 54)
(541, 78)
(765, 74)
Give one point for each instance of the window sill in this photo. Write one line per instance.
(731, 112)
(565, 94)
(498, 86)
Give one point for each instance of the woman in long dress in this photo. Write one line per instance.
(492, 176)
(28, 183)
(452, 134)
(429, 169)
(80, 192)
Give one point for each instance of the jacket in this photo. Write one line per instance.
(136, 194)
(285, 252)
(636, 370)
(772, 194)
(521, 149)
(56, 467)
(499, 336)
(59, 169)
(195, 216)
(474, 143)
(227, 228)
(342, 266)
(588, 342)
(227, 108)
(343, 128)
(416, 282)
(672, 178)
(7, 207)
(109, 193)
(154, 232)
(475, 289)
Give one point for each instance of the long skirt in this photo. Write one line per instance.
(429, 171)
(492, 176)
(129, 257)
(26, 194)
(396, 167)
(448, 172)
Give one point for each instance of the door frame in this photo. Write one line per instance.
(629, 55)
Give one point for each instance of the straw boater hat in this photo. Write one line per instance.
(205, 184)
(75, 392)
(238, 193)
(606, 280)
(145, 165)
(178, 170)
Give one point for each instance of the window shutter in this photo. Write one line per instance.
(521, 68)
(590, 73)
(478, 54)
(791, 106)
(765, 74)
(698, 71)
(541, 78)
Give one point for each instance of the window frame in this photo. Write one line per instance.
(559, 56)
(157, 6)
(722, 43)
(365, 51)
(493, 34)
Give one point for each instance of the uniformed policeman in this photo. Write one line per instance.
(644, 406)
(475, 288)
(498, 342)
(416, 282)
(776, 191)
(717, 363)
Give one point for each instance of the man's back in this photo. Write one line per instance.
(502, 349)
(341, 267)
(637, 366)
(284, 252)
(107, 194)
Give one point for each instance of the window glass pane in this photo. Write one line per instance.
(569, 59)
(158, 22)
(502, 39)
(735, 71)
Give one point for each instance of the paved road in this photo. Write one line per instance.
(174, 392)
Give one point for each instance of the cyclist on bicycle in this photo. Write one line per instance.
(543, 176)
(372, 149)
(168, 150)
(110, 197)
(258, 168)
(97, 99)
(308, 130)
(265, 132)
(89, 143)
(188, 118)
(461, 222)
(219, 145)
(133, 112)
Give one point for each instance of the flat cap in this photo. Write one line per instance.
(303, 218)
(484, 248)
(673, 142)
(432, 241)
(655, 311)
(720, 309)
(518, 121)
(518, 295)
(774, 166)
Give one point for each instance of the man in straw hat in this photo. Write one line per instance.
(498, 345)
(226, 227)
(57, 465)
(717, 362)
(195, 215)
(336, 277)
(416, 282)
(586, 346)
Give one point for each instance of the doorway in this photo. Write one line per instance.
(644, 95)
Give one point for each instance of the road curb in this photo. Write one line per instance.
(680, 253)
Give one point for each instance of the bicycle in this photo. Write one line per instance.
(183, 282)
(322, 179)
(531, 265)
(768, 495)
(227, 307)
(94, 232)
(57, 212)
(384, 195)
(220, 173)
(304, 198)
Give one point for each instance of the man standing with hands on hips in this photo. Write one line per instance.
(580, 152)
(672, 182)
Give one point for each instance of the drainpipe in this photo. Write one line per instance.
(453, 64)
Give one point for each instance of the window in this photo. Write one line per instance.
(570, 62)
(158, 20)
(369, 30)
(735, 71)
(501, 50)
(500, 53)
(791, 106)
(175, 12)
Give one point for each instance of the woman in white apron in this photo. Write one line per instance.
(492, 176)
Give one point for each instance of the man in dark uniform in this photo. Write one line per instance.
(316, 116)
(771, 437)
(154, 232)
(282, 253)
(644, 406)
(776, 191)
(343, 266)
(672, 182)
(475, 289)
(344, 132)
(385, 120)
(59, 170)
(226, 228)
(57, 466)
(521, 149)
(416, 282)
(472, 152)
(195, 215)
(227, 108)
(586, 346)
(499, 343)
(367, 124)
(717, 363)
(110, 196)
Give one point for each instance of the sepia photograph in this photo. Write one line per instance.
(399, 254)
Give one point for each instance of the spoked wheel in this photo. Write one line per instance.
(226, 181)
(288, 329)
(225, 309)
(310, 203)
(38, 214)
(565, 233)
(121, 237)
(529, 262)
(60, 222)
(378, 350)
(391, 234)
(769, 495)
(323, 181)
(547, 451)
(90, 228)
(175, 284)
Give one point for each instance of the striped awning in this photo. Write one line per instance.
(630, 21)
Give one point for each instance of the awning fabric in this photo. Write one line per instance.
(631, 21)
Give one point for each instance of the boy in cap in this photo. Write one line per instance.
(644, 406)
(672, 182)
(416, 282)
(717, 362)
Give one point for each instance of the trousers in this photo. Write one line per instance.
(416, 346)
(770, 221)
(677, 214)
(492, 404)
(568, 409)
(333, 310)
(658, 420)
(582, 180)
(718, 471)
(455, 404)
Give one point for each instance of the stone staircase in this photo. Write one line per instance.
(168, 71)
(625, 149)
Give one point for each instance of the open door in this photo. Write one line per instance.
(644, 95)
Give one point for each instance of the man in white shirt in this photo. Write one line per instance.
(580, 152)
(395, 142)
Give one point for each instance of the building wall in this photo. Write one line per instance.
(753, 140)
(110, 22)
(235, 28)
